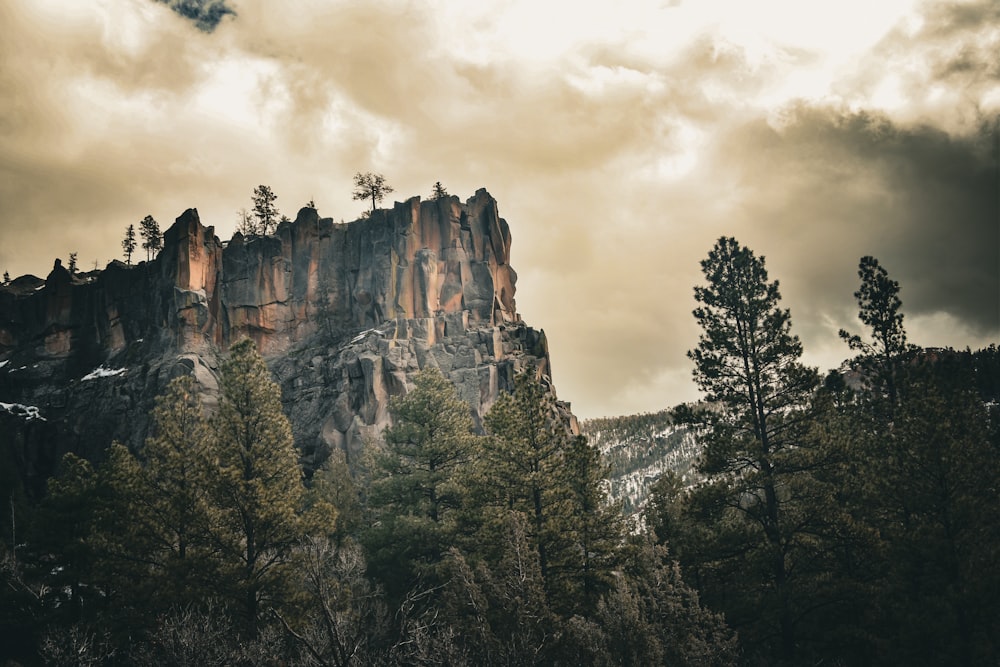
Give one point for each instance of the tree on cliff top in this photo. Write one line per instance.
(264, 209)
(128, 243)
(370, 186)
(439, 191)
(152, 242)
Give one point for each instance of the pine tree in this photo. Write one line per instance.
(128, 243)
(175, 495)
(755, 445)
(918, 440)
(438, 191)
(259, 491)
(63, 555)
(598, 528)
(72, 263)
(532, 465)
(879, 303)
(264, 209)
(370, 186)
(152, 241)
(415, 495)
(524, 458)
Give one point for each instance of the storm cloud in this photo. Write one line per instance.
(619, 142)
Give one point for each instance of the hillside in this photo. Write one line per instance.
(638, 449)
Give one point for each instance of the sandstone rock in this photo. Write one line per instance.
(345, 314)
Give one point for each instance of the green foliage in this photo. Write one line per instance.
(916, 441)
(414, 494)
(333, 507)
(879, 303)
(370, 186)
(152, 241)
(531, 465)
(175, 493)
(61, 542)
(760, 518)
(211, 550)
(676, 628)
(258, 491)
(522, 469)
(128, 243)
(438, 191)
(264, 210)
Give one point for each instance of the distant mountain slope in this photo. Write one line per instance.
(640, 448)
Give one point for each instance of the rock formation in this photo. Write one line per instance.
(345, 314)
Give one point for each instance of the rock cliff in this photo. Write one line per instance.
(345, 314)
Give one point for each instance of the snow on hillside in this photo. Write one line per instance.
(26, 412)
(640, 448)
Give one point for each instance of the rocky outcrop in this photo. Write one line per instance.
(345, 314)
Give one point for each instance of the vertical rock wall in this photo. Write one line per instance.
(344, 313)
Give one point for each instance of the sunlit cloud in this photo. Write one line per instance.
(620, 141)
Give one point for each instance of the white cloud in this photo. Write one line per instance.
(620, 140)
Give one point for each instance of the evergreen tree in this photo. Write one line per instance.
(414, 495)
(63, 554)
(918, 439)
(438, 191)
(264, 210)
(522, 465)
(72, 263)
(755, 446)
(128, 243)
(370, 186)
(333, 502)
(653, 617)
(259, 490)
(531, 465)
(152, 241)
(598, 528)
(177, 507)
(879, 303)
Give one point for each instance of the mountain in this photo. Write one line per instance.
(344, 314)
(640, 448)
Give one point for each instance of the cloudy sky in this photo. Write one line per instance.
(621, 139)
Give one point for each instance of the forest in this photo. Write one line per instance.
(845, 519)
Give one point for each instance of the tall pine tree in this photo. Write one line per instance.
(754, 456)
(414, 495)
(259, 491)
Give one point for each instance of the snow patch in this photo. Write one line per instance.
(4, 362)
(102, 372)
(28, 412)
(361, 336)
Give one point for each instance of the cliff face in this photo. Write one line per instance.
(344, 314)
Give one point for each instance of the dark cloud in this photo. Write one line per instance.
(617, 163)
(827, 187)
(206, 14)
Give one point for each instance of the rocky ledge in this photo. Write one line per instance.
(345, 314)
